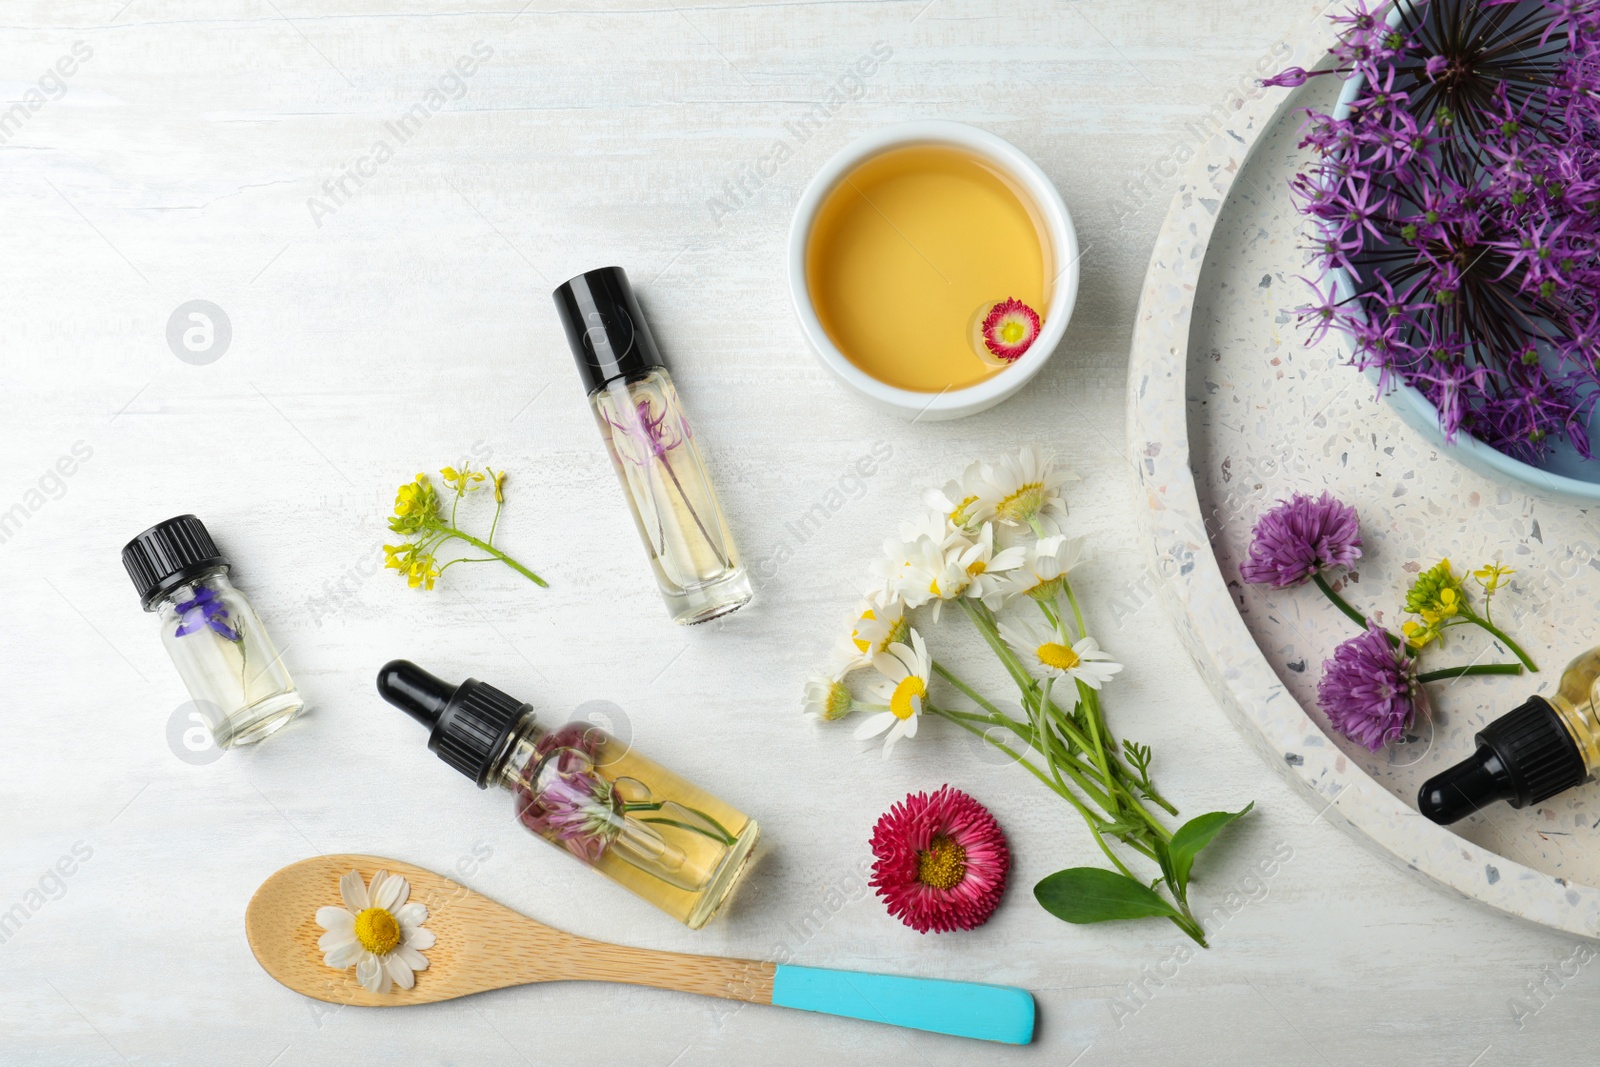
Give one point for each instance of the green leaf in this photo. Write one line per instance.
(1194, 835)
(1093, 895)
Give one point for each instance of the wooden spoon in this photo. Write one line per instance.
(484, 945)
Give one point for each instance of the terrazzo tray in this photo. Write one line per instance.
(1228, 411)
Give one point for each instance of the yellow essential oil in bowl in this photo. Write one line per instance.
(910, 251)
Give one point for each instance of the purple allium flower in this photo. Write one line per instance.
(205, 610)
(1301, 537)
(1462, 194)
(1369, 689)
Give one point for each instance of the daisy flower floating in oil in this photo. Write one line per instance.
(377, 930)
(941, 861)
(1009, 329)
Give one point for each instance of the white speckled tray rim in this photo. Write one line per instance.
(1192, 585)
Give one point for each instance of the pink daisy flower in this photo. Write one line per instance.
(1009, 328)
(941, 861)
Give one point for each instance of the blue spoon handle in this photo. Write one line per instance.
(965, 1009)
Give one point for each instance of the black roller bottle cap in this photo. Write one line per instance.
(1524, 757)
(605, 327)
(470, 721)
(169, 554)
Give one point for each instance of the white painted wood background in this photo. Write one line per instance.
(414, 326)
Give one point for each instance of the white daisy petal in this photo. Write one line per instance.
(332, 918)
(370, 973)
(398, 970)
(893, 737)
(391, 893)
(414, 959)
(890, 665)
(411, 915)
(875, 725)
(419, 939)
(344, 955)
(354, 892)
(335, 939)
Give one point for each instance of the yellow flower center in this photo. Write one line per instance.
(907, 698)
(1012, 332)
(977, 567)
(1058, 656)
(855, 634)
(959, 515)
(1023, 504)
(898, 632)
(377, 931)
(943, 865)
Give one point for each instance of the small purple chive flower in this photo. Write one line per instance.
(1369, 690)
(1300, 538)
(205, 610)
(1289, 78)
(654, 434)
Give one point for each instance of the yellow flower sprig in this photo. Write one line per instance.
(1441, 598)
(419, 516)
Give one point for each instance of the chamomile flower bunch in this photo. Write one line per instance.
(994, 542)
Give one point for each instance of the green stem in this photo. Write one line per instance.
(1344, 606)
(1516, 649)
(1472, 668)
(1117, 800)
(494, 525)
(1096, 823)
(484, 546)
(1026, 684)
(1090, 698)
(966, 690)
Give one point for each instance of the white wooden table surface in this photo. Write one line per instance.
(392, 316)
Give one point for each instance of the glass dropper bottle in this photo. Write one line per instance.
(581, 789)
(1545, 746)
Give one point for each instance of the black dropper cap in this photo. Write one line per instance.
(470, 721)
(605, 327)
(1524, 757)
(169, 554)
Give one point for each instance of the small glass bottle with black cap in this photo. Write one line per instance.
(585, 791)
(1543, 747)
(241, 690)
(652, 448)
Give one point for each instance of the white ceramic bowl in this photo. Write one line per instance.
(1057, 221)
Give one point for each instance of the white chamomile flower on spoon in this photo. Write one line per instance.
(377, 931)
(905, 670)
(1046, 654)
